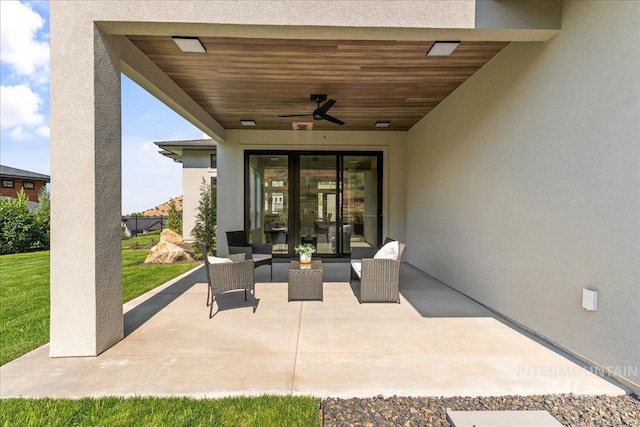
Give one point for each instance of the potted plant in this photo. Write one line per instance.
(305, 251)
(358, 222)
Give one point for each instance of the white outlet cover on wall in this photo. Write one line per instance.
(589, 300)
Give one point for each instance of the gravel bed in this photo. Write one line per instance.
(568, 409)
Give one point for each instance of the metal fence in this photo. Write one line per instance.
(133, 225)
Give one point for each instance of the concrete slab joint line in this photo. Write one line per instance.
(295, 359)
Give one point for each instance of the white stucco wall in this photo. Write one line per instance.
(196, 165)
(86, 264)
(524, 185)
(231, 167)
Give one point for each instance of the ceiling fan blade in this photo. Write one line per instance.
(325, 107)
(296, 115)
(332, 119)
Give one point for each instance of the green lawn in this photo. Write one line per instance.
(142, 240)
(24, 325)
(24, 295)
(264, 411)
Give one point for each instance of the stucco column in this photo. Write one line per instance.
(86, 265)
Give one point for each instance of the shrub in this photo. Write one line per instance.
(20, 229)
(205, 228)
(174, 218)
(43, 214)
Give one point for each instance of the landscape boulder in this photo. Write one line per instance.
(167, 253)
(171, 237)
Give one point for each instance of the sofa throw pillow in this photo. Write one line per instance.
(388, 251)
(218, 260)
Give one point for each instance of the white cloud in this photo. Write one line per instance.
(18, 44)
(19, 106)
(18, 133)
(44, 131)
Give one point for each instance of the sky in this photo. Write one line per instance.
(148, 178)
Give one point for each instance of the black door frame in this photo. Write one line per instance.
(294, 190)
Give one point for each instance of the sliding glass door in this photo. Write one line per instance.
(329, 199)
(268, 200)
(318, 197)
(361, 213)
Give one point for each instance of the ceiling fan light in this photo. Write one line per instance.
(248, 122)
(189, 44)
(443, 48)
(382, 124)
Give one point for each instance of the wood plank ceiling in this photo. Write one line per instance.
(260, 79)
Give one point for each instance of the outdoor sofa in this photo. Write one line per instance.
(378, 271)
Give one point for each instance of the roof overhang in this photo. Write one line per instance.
(381, 47)
(175, 149)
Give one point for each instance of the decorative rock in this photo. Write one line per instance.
(167, 253)
(171, 237)
(570, 410)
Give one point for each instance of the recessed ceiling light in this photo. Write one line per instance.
(382, 124)
(274, 159)
(190, 44)
(442, 48)
(302, 125)
(248, 122)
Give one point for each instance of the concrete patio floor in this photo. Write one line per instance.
(436, 342)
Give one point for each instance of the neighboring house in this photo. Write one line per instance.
(509, 163)
(12, 180)
(199, 161)
(134, 225)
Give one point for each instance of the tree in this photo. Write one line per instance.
(205, 228)
(20, 230)
(174, 219)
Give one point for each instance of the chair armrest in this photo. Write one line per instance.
(380, 280)
(246, 250)
(237, 257)
(262, 248)
(360, 253)
(389, 268)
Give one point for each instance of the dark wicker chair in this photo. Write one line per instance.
(260, 253)
(379, 278)
(223, 277)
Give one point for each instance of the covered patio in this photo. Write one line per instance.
(513, 183)
(436, 342)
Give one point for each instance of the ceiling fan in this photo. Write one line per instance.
(320, 113)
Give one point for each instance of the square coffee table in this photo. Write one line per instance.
(305, 281)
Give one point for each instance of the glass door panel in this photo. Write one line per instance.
(360, 208)
(268, 201)
(331, 200)
(318, 201)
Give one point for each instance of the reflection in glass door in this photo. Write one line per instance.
(268, 185)
(360, 207)
(318, 201)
